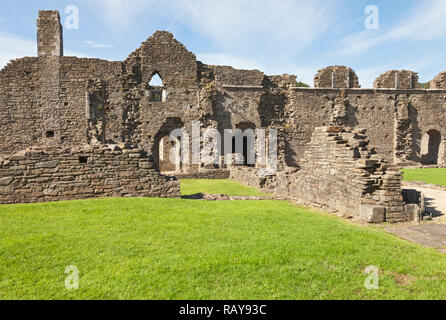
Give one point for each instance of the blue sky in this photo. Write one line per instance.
(283, 36)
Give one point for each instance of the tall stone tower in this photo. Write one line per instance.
(49, 34)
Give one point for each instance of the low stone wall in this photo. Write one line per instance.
(207, 174)
(252, 178)
(107, 171)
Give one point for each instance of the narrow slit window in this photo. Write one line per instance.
(83, 160)
(50, 134)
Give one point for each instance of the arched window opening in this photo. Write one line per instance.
(156, 90)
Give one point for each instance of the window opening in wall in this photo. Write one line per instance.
(83, 159)
(50, 134)
(156, 90)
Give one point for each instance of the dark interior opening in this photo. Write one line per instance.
(434, 146)
(83, 159)
(245, 151)
(233, 145)
(50, 134)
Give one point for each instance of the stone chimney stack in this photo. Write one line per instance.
(49, 34)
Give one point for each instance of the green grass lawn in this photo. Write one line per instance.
(228, 187)
(429, 175)
(185, 249)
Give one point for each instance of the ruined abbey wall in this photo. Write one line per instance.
(59, 102)
(373, 109)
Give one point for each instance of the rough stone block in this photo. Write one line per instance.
(6, 181)
(413, 211)
(372, 214)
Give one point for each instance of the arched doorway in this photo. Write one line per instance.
(248, 141)
(430, 147)
(163, 146)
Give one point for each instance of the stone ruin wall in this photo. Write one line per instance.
(439, 82)
(336, 77)
(34, 103)
(397, 79)
(339, 171)
(50, 35)
(41, 175)
(375, 110)
(92, 101)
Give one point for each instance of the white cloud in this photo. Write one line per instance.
(260, 26)
(118, 13)
(424, 22)
(96, 45)
(236, 27)
(14, 47)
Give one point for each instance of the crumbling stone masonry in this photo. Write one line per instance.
(336, 77)
(340, 172)
(394, 79)
(52, 102)
(439, 82)
(37, 175)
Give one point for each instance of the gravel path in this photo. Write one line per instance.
(431, 234)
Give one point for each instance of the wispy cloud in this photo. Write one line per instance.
(235, 27)
(424, 22)
(262, 25)
(14, 47)
(118, 13)
(96, 45)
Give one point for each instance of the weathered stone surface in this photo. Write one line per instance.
(372, 214)
(439, 82)
(413, 211)
(336, 77)
(397, 79)
(77, 179)
(62, 103)
(6, 181)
